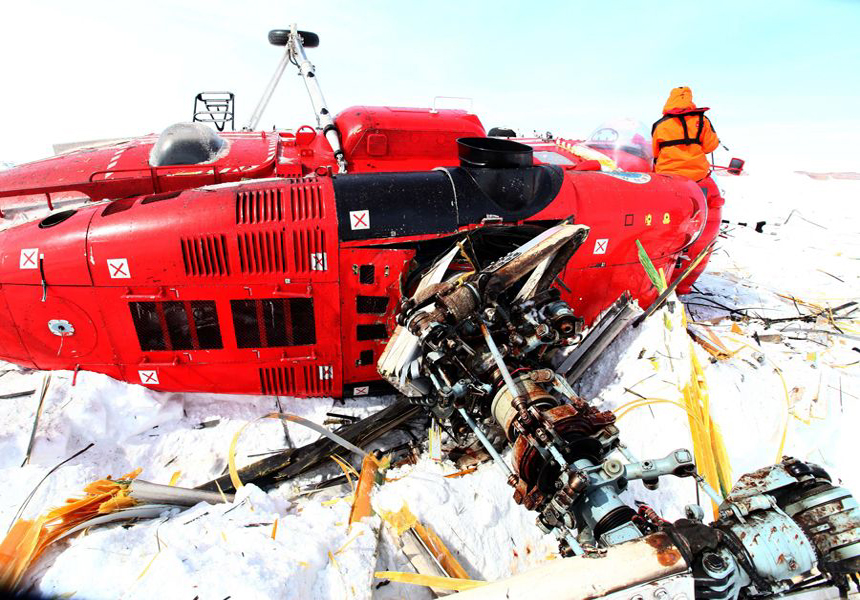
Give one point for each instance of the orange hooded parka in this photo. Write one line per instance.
(683, 137)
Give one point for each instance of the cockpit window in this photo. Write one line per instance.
(627, 135)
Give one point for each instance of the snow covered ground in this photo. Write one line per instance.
(803, 378)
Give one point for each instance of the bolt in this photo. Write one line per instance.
(542, 331)
(612, 467)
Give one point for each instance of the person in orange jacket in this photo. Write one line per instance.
(683, 137)
(681, 141)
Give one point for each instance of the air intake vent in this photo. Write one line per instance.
(205, 255)
(309, 250)
(259, 206)
(306, 201)
(364, 333)
(371, 305)
(278, 381)
(319, 379)
(262, 252)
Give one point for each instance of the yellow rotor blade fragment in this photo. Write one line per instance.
(445, 583)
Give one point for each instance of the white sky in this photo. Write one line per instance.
(780, 76)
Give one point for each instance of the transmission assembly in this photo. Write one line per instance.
(482, 348)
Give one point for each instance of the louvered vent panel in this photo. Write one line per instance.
(306, 201)
(278, 381)
(318, 379)
(205, 255)
(299, 246)
(309, 252)
(262, 252)
(259, 206)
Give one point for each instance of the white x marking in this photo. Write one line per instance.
(148, 377)
(118, 268)
(359, 219)
(28, 258)
(318, 261)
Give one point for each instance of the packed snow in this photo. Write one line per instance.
(803, 376)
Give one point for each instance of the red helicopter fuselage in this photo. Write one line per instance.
(264, 271)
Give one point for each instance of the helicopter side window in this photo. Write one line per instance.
(190, 325)
(147, 324)
(273, 322)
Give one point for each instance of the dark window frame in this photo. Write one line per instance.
(273, 322)
(177, 325)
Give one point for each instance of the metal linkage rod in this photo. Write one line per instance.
(270, 89)
(709, 491)
(321, 111)
(483, 439)
(497, 356)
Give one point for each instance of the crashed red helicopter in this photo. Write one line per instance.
(259, 262)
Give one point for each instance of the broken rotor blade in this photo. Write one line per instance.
(513, 266)
(436, 273)
(604, 331)
(154, 493)
(269, 471)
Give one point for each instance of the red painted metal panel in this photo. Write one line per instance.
(11, 344)
(370, 295)
(166, 274)
(121, 169)
(28, 252)
(382, 138)
(664, 213)
(76, 306)
(234, 366)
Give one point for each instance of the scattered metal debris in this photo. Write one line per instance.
(46, 382)
(274, 469)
